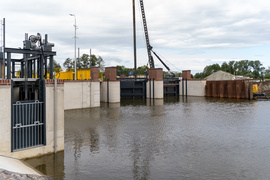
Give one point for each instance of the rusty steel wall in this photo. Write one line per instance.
(238, 89)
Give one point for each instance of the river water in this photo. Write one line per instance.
(193, 138)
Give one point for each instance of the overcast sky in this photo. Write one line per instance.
(187, 34)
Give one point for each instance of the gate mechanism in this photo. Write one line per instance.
(28, 74)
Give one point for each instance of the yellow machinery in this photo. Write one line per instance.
(82, 74)
(255, 88)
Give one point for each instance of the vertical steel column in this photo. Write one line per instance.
(22, 70)
(34, 68)
(46, 69)
(150, 88)
(29, 65)
(183, 87)
(55, 115)
(13, 69)
(8, 65)
(153, 88)
(134, 40)
(4, 44)
(41, 67)
(186, 87)
(51, 67)
(38, 68)
(108, 96)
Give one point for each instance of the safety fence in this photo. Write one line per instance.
(28, 125)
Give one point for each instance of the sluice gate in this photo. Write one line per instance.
(27, 76)
(133, 88)
(171, 86)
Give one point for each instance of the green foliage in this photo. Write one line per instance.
(56, 67)
(253, 69)
(85, 62)
(122, 70)
(68, 64)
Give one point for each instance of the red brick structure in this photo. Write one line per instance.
(94, 74)
(156, 73)
(186, 74)
(51, 81)
(5, 82)
(110, 73)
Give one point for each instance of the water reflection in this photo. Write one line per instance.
(51, 165)
(174, 138)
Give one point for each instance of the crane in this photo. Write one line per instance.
(149, 47)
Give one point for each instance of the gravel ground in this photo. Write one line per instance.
(4, 174)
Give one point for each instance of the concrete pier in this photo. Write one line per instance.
(154, 85)
(110, 87)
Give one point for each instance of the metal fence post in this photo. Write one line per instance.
(55, 115)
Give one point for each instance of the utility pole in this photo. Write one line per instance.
(75, 37)
(79, 60)
(2, 64)
(134, 40)
(90, 58)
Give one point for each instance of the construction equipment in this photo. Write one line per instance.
(149, 47)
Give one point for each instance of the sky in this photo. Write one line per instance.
(186, 34)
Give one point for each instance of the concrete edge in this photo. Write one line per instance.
(15, 165)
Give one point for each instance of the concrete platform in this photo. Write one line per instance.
(15, 165)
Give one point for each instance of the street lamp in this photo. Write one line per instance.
(75, 27)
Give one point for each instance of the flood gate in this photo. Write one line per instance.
(171, 86)
(133, 88)
(28, 124)
(28, 119)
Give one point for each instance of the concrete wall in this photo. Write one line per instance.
(5, 117)
(81, 94)
(5, 122)
(194, 88)
(114, 91)
(50, 108)
(158, 89)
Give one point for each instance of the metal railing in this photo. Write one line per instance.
(28, 125)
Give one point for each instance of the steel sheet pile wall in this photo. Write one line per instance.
(238, 89)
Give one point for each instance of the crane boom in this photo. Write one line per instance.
(149, 47)
(162, 62)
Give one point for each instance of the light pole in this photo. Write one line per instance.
(75, 37)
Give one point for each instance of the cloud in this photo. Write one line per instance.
(190, 34)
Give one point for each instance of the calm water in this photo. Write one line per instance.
(194, 138)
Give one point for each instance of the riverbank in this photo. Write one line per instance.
(11, 168)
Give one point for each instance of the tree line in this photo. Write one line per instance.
(83, 62)
(252, 69)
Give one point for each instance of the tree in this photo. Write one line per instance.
(208, 70)
(84, 61)
(142, 70)
(253, 69)
(198, 76)
(56, 67)
(100, 63)
(68, 64)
